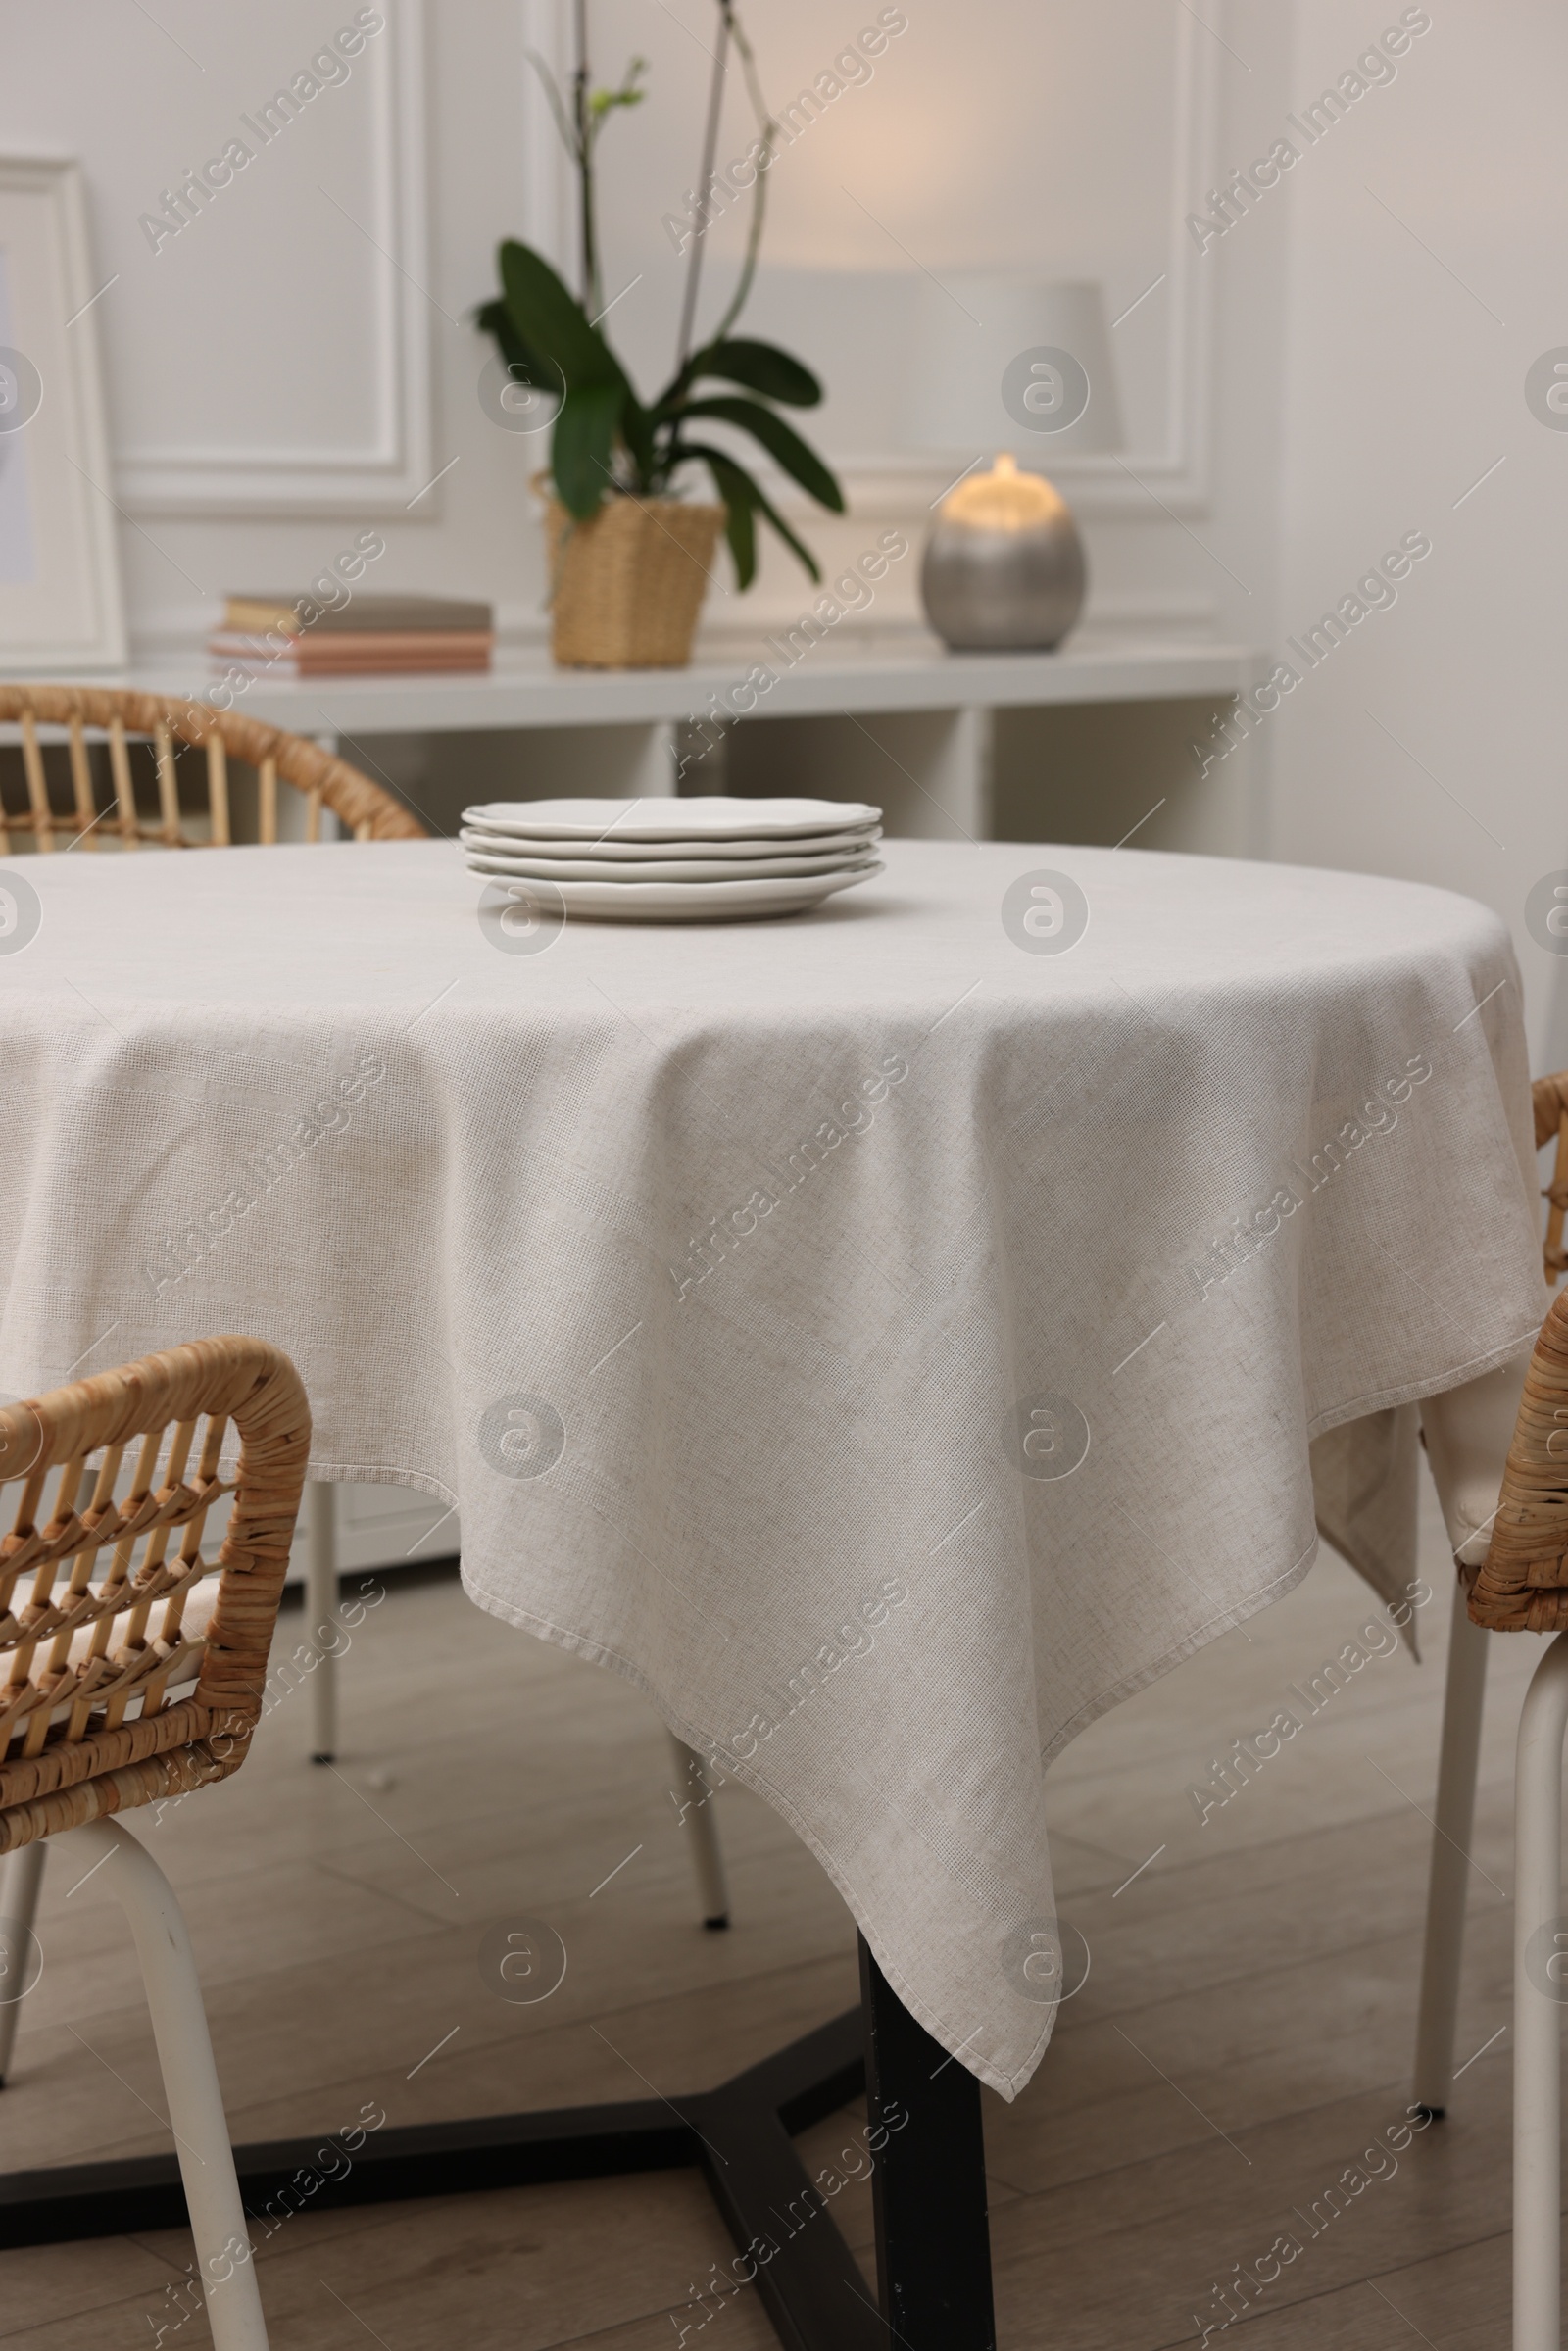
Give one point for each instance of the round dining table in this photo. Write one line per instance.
(887, 1336)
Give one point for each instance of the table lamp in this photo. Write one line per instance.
(1018, 368)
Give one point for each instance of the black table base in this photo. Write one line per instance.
(922, 2141)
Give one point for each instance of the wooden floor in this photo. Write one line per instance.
(1243, 2032)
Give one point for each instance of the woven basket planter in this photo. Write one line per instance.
(626, 588)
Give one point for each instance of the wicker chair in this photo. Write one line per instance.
(361, 807)
(313, 774)
(139, 1678)
(1498, 1452)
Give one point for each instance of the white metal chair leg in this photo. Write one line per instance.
(1448, 1884)
(698, 1819)
(190, 2082)
(1539, 1989)
(19, 1908)
(321, 1602)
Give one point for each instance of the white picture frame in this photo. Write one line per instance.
(61, 605)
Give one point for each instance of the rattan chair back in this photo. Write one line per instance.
(321, 780)
(1521, 1585)
(110, 1473)
(1551, 1099)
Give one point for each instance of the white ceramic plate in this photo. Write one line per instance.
(701, 901)
(704, 870)
(643, 852)
(670, 820)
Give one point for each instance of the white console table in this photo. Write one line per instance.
(1072, 746)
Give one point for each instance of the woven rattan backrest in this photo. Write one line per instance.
(110, 1484)
(322, 780)
(1523, 1584)
(1551, 1099)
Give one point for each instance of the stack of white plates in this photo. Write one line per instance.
(677, 861)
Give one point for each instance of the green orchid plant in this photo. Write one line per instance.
(607, 442)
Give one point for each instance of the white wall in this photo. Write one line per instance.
(296, 360)
(299, 358)
(1428, 273)
(1336, 371)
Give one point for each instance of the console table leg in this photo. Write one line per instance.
(933, 2242)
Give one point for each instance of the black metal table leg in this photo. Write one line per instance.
(933, 2239)
(808, 2280)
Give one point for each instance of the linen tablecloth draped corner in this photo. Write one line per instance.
(885, 1338)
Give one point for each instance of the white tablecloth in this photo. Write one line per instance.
(750, 1289)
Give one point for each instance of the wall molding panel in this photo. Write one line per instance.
(388, 220)
(1178, 469)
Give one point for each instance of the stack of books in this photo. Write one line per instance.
(370, 636)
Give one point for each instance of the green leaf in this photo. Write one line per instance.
(628, 94)
(740, 520)
(548, 320)
(581, 445)
(737, 488)
(527, 365)
(760, 368)
(797, 547)
(738, 493)
(638, 433)
(781, 441)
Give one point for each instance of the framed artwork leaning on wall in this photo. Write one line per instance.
(60, 596)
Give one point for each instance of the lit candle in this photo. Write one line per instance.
(1004, 568)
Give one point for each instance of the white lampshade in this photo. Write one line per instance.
(980, 377)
